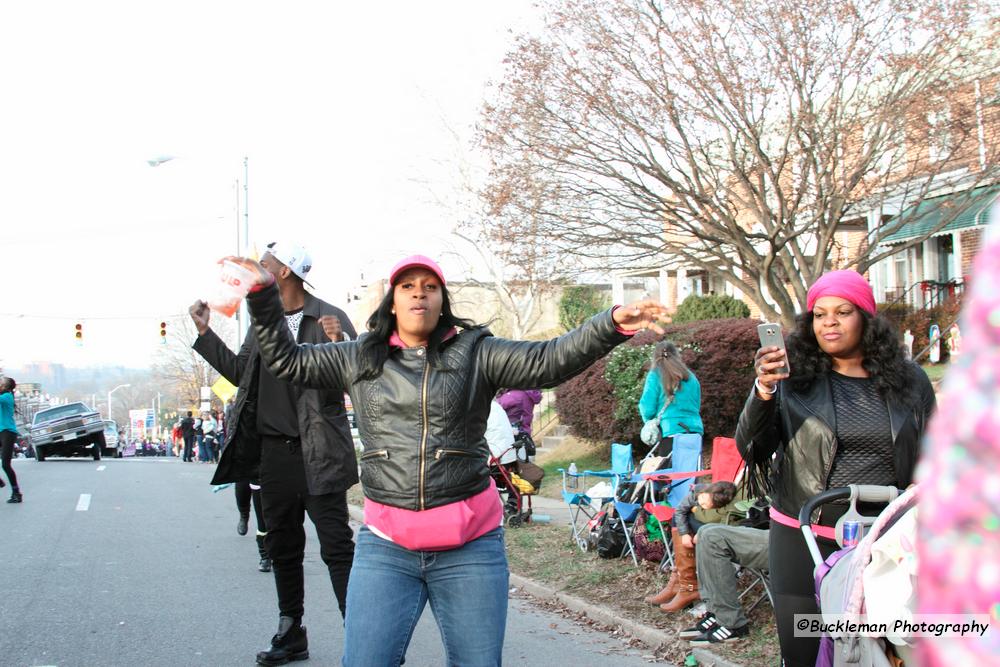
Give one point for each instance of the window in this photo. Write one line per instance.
(901, 274)
(939, 142)
(886, 138)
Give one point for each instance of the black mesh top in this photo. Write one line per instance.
(864, 437)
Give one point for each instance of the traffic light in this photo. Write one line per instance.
(79, 333)
(163, 333)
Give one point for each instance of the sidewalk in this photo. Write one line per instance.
(653, 637)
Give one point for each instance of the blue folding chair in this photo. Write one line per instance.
(674, 483)
(622, 469)
(580, 504)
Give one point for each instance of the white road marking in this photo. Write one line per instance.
(83, 504)
(100, 468)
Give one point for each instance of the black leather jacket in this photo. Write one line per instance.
(327, 445)
(423, 426)
(801, 427)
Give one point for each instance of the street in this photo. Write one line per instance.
(137, 562)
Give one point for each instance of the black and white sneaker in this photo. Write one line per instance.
(720, 634)
(704, 624)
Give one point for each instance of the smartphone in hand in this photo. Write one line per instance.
(770, 336)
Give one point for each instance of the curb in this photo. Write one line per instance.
(644, 633)
(652, 637)
(649, 636)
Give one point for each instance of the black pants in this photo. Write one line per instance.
(285, 499)
(244, 495)
(188, 446)
(794, 590)
(7, 440)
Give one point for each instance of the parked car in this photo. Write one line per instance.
(112, 444)
(67, 430)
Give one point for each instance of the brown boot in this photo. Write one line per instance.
(687, 589)
(667, 593)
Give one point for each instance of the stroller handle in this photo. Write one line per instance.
(856, 492)
(865, 493)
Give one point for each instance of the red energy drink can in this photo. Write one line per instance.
(852, 533)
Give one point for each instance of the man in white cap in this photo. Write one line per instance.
(296, 441)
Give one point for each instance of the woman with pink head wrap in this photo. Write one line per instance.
(852, 411)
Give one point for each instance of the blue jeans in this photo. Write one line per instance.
(467, 589)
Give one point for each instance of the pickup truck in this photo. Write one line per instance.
(67, 430)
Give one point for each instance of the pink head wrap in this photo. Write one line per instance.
(849, 285)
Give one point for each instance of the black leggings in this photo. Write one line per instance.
(794, 591)
(7, 440)
(243, 496)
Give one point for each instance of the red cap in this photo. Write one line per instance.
(414, 261)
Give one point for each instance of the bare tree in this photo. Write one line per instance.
(734, 137)
(519, 287)
(180, 371)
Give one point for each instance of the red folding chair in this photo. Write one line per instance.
(726, 464)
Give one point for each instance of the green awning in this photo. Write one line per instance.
(961, 210)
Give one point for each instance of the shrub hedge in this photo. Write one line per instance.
(710, 307)
(601, 403)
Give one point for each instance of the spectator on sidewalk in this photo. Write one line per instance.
(852, 411)
(719, 547)
(187, 433)
(519, 404)
(421, 381)
(671, 391)
(682, 587)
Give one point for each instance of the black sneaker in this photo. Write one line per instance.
(704, 624)
(241, 527)
(265, 564)
(720, 634)
(15, 497)
(288, 645)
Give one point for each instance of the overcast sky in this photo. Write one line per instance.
(351, 114)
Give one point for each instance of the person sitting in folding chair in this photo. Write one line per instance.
(682, 588)
(720, 546)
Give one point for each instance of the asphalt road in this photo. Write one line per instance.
(137, 562)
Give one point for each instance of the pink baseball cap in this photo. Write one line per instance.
(414, 261)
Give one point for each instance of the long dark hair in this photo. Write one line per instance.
(881, 351)
(882, 356)
(667, 360)
(382, 324)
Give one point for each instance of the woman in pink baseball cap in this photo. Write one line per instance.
(852, 410)
(422, 381)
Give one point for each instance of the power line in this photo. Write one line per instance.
(69, 318)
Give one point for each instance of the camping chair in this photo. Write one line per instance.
(761, 578)
(581, 504)
(629, 497)
(673, 484)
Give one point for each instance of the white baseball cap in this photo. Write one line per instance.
(293, 256)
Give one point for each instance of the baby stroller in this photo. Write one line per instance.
(883, 562)
(517, 479)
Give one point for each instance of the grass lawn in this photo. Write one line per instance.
(935, 371)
